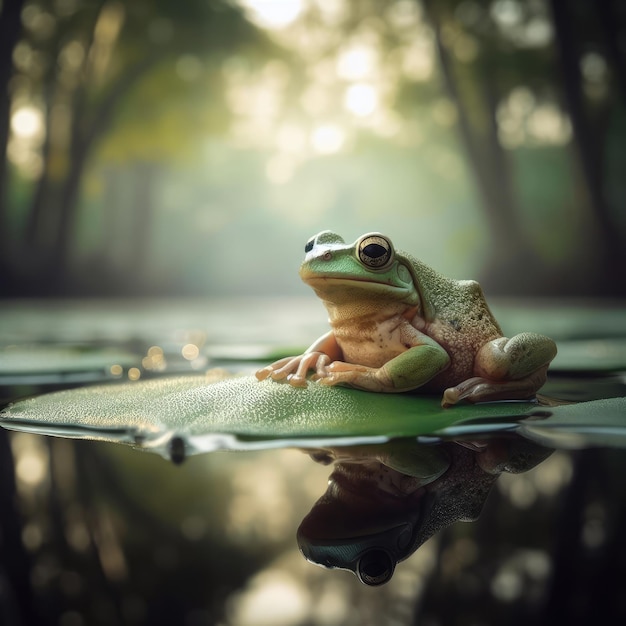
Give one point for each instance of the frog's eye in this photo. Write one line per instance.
(309, 245)
(375, 567)
(375, 251)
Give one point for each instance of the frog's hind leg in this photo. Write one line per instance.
(480, 389)
(507, 369)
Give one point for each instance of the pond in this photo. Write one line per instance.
(427, 521)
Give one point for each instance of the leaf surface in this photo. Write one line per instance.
(200, 415)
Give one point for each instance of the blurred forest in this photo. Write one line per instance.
(159, 149)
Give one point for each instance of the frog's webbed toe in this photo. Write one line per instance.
(480, 389)
(295, 369)
(316, 361)
(270, 370)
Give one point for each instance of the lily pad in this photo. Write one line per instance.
(176, 417)
(238, 413)
(582, 425)
(591, 355)
(598, 423)
(40, 364)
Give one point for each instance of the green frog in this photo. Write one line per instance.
(397, 325)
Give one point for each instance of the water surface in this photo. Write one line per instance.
(106, 534)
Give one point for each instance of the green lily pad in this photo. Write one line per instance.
(176, 417)
(582, 425)
(563, 320)
(597, 423)
(591, 355)
(238, 413)
(55, 364)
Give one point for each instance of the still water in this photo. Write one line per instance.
(99, 533)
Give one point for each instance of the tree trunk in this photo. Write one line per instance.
(605, 240)
(44, 191)
(511, 266)
(85, 133)
(10, 30)
(609, 23)
(44, 210)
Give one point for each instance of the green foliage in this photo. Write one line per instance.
(179, 110)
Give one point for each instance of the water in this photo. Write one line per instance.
(106, 534)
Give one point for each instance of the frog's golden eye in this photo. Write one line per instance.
(375, 251)
(375, 567)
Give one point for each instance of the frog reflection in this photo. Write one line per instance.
(383, 502)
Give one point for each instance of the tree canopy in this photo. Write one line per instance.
(158, 137)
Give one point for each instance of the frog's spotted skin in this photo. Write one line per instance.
(397, 325)
(457, 318)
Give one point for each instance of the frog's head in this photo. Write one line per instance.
(369, 268)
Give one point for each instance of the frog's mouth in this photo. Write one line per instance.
(344, 279)
(353, 508)
(342, 287)
(368, 476)
(372, 494)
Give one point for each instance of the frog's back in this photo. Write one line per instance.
(456, 313)
(459, 303)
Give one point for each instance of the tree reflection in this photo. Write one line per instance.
(383, 502)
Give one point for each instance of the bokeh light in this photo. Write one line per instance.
(361, 99)
(328, 138)
(27, 122)
(273, 13)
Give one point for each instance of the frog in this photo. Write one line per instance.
(397, 325)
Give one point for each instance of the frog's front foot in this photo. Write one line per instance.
(357, 376)
(296, 368)
(480, 389)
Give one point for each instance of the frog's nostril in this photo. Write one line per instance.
(327, 256)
